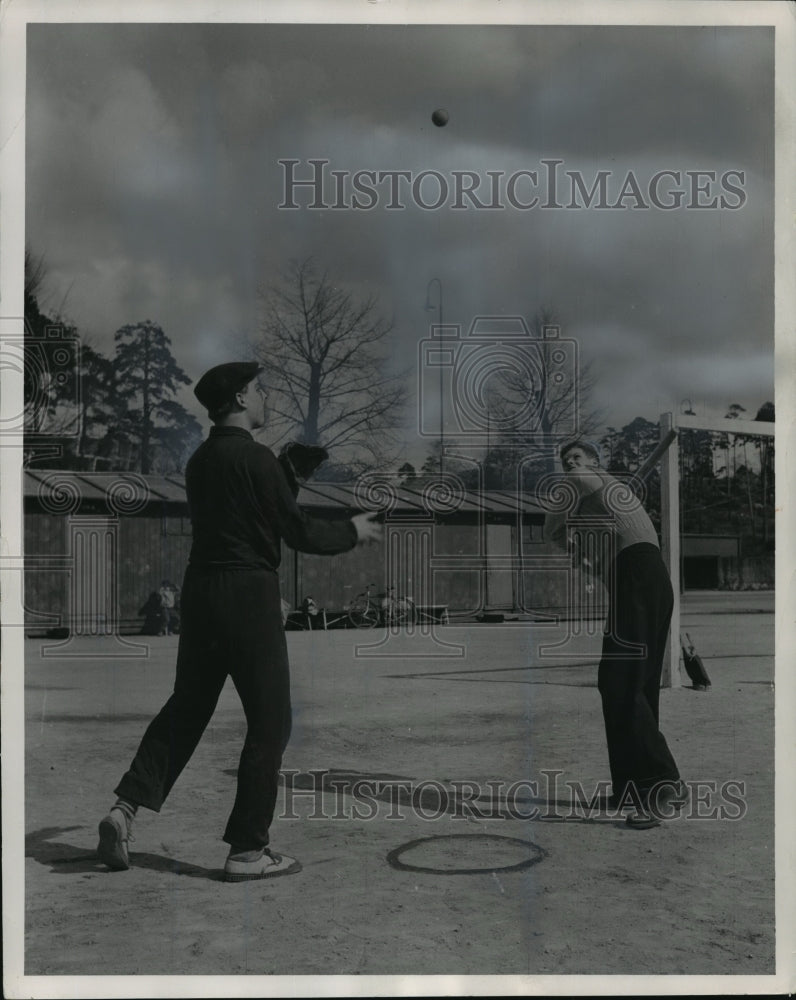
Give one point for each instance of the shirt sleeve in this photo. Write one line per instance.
(313, 535)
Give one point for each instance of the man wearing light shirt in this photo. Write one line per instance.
(643, 770)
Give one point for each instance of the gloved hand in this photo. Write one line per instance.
(299, 461)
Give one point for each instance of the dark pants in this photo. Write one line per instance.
(629, 676)
(231, 625)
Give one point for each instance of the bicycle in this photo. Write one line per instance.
(398, 610)
(368, 610)
(363, 611)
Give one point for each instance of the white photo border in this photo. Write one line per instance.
(15, 15)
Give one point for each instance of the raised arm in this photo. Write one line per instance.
(314, 535)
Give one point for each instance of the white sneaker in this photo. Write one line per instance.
(243, 865)
(114, 834)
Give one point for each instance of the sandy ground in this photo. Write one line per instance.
(694, 896)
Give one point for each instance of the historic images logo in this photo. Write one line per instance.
(550, 186)
(347, 795)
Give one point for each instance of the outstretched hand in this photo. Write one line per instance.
(368, 530)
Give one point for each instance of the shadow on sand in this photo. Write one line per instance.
(47, 848)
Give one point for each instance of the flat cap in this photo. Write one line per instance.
(220, 384)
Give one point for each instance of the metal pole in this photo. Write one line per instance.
(670, 547)
(441, 397)
(441, 401)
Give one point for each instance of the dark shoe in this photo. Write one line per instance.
(642, 820)
(667, 798)
(241, 866)
(675, 793)
(114, 834)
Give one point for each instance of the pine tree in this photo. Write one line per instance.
(147, 379)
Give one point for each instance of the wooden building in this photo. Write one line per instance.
(98, 544)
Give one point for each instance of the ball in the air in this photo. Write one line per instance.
(440, 117)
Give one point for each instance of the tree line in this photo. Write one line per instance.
(87, 411)
(333, 382)
(327, 368)
(727, 483)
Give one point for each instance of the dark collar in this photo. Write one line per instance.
(216, 431)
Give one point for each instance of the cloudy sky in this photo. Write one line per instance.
(153, 186)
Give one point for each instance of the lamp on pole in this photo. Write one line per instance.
(430, 306)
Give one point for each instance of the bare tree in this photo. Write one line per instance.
(561, 407)
(51, 357)
(326, 367)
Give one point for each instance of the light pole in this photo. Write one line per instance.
(430, 307)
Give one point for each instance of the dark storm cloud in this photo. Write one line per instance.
(153, 182)
(619, 87)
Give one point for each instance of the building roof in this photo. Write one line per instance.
(60, 490)
(124, 492)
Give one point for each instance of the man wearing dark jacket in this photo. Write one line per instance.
(241, 508)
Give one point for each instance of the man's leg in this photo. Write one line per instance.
(169, 742)
(662, 601)
(616, 683)
(672, 793)
(260, 672)
(164, 751)
(637, 749)
(173, 734)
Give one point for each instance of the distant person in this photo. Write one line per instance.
(309, 607)
(312, 612)
(168, 607)
(241, 508)
(152, 613)
(643, 770)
